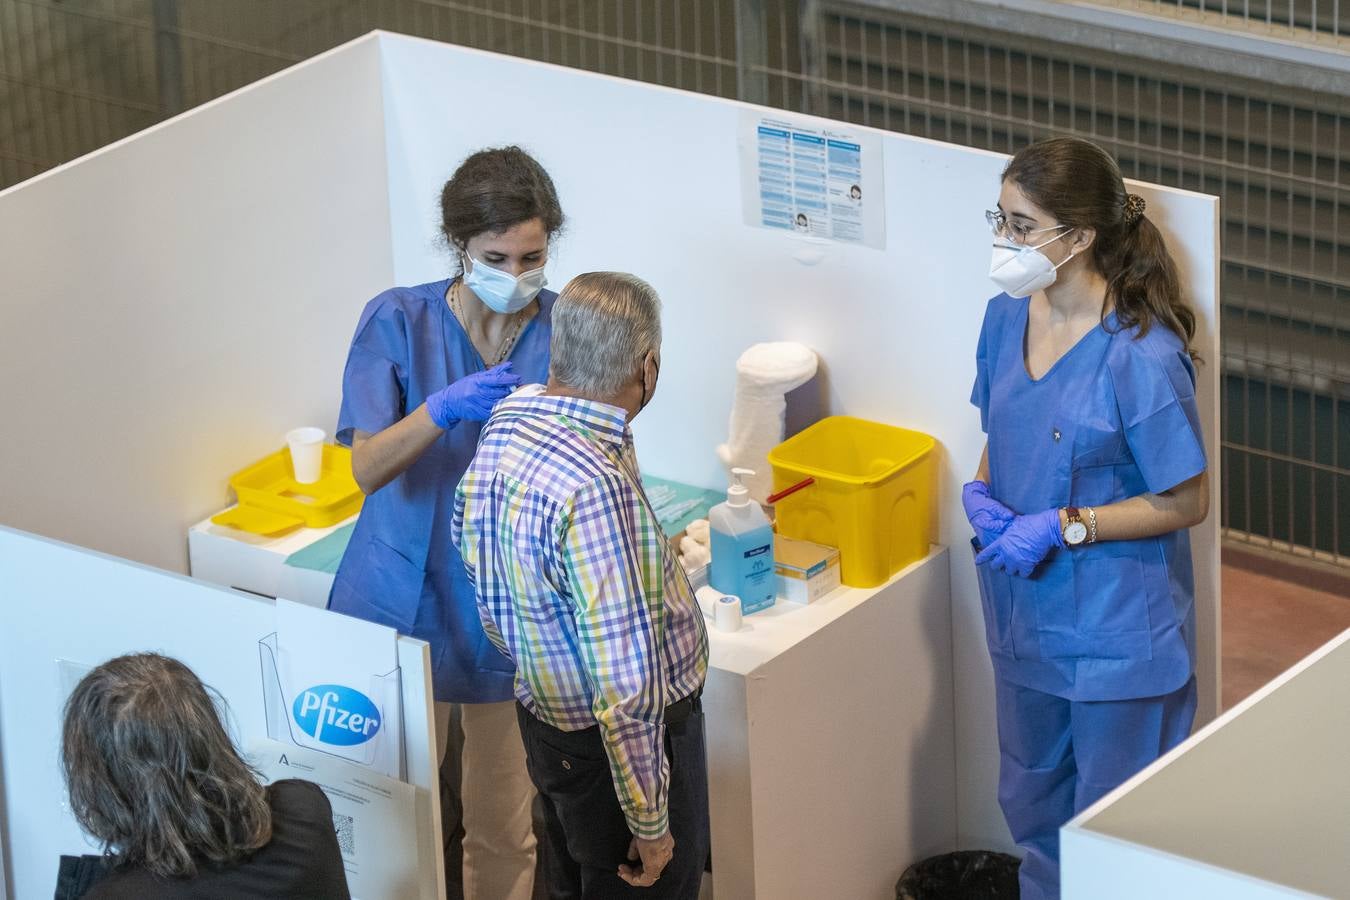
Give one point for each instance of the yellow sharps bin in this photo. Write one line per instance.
(871, 497)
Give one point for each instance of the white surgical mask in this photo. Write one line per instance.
(503, 292)
(1022, 271)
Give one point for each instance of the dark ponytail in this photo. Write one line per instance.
(1145, 286)
(1079, 184)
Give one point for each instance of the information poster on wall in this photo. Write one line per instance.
(812, 178)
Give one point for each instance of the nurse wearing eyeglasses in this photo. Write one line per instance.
(1093, 470)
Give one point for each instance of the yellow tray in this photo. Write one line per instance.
(272, 502)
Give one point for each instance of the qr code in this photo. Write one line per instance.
(346, 834)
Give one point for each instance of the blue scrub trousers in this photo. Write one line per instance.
(1058, 757)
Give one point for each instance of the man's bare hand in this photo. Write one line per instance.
(654, 856)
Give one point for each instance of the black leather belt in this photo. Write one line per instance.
(675, 713)
(680, 710)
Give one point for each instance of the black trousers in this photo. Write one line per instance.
(587, 835)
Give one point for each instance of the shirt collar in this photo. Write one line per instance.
(608, 423)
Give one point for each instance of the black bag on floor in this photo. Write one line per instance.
(965, 875)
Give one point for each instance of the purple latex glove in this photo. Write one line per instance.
(472, 397)
(987, 516)
(1025, 543)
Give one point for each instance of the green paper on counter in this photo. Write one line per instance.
(685, 503)
(677, 504)
(324, 554)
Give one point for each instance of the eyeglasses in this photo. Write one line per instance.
(1017, 232)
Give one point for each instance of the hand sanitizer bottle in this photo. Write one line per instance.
(742, 548)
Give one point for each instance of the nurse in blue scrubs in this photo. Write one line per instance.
(425, 367)
(1093, 470)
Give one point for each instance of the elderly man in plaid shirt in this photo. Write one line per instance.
(578, 586)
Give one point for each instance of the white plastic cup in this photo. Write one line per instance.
(728, 615)
(306, 453)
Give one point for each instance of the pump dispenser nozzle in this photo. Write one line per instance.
(738, 494)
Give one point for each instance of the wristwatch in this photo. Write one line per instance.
(1075, 532)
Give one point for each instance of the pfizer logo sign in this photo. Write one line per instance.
(333, 714)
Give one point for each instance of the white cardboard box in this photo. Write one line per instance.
(805, 571)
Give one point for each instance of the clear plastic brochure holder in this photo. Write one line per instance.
(383, 752)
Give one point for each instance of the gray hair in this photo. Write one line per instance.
(604, 325)
(152, 773)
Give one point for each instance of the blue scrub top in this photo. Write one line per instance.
(401, 568)
(1115, 417)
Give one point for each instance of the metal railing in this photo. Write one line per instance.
(77, 74)
(1315, 20)
(1272, 154)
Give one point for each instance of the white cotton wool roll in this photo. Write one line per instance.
(693, 555)
(764, 375)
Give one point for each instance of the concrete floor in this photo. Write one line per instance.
(1270, 623)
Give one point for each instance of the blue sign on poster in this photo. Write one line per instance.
(335, 714)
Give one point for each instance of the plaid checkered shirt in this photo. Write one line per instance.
(576, 583)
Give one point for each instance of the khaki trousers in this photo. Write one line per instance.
(496, 792)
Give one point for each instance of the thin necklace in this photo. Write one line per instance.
(508, 339)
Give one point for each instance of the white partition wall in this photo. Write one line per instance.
(1253, 807)
(649, 181)
(175, 302)
(172, 304)
(66, 610)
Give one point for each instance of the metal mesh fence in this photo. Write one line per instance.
(78, 74)
(1316, 20)
(1273, 155)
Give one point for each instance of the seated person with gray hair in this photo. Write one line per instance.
(576, 583)
(154, 777)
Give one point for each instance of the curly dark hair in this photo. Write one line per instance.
(493, 191)
(152, 773)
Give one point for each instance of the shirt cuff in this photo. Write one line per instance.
(648, 825)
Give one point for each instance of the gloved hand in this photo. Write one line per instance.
(1025, 543)
(987, 516)
(472, 397)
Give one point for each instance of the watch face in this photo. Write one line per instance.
(1075, 533)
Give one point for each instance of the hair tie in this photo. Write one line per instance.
(1134, 208)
